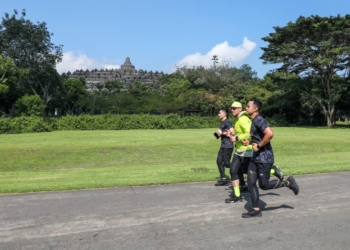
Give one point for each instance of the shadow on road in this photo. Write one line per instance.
(262, 204)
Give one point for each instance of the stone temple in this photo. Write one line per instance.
(127, 74)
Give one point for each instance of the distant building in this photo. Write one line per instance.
(127, 74)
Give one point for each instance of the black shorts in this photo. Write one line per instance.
(224, 156)
(262, 169)
(240, 162)
(245, 161)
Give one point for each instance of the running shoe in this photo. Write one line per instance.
(253, 213)
(278, 173)
(244, 188)
(234, 199)
(221, 183)
(292, 184)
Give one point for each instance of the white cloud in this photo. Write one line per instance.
(72, 61)
(224, 51)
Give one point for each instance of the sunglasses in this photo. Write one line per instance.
(233, 108)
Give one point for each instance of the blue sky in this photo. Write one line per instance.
(159, 34)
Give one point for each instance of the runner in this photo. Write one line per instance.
(226, 148)
(242, 155)
(262, 159)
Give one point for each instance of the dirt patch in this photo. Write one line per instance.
(27, 151)
(200, 169)
(121, 148)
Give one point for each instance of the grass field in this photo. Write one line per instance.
(69, 160)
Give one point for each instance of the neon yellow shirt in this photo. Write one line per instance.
(242, 130)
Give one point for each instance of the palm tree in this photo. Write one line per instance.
(215, 60)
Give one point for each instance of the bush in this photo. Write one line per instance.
(30, 124)
(277, 121)
(25, 124)
(30, 105)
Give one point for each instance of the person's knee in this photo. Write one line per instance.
(263, 184)
(234, 176)
(252, 176)
(219, 160)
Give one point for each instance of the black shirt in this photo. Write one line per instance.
(265, 153)
(225, 141)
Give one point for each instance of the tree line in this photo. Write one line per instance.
(310, 86)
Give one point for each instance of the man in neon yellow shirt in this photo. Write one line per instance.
(242, 155)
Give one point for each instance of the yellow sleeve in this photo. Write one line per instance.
(245, 123)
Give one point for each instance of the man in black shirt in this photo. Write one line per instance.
(226, 148)
(262, 159)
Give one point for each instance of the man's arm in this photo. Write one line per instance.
(268, 134)
(245, 124)
(229, 131)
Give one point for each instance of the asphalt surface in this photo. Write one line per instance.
(183, 216)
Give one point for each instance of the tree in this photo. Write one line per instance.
(285, 98)
(215, 60)
(194, 99)
(30, 47)
(164, 80)
(139, 89)
(10, 74)
(113, 86)
(315, 47)
(30, 105)
(216, 79)
(74, 94)
(248, 74)
(177, 86)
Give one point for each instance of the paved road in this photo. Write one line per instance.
(183, 216)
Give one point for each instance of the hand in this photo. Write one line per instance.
(216, 135)
(245, 142)
(229, 133)
(255, 147)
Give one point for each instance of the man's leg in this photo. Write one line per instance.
(276, 171)
(227, 154)
(263, 174)
(244, 170)
(266, 184)
(264, 170)
(220, 163)
(253, 189)
(234, 169)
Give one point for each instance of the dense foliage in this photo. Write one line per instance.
(317, 49)
(26, 124)
(34, 124)
(310, 88)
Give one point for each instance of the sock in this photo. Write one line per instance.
(237, 191)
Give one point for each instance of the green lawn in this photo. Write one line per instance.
(94, 159)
